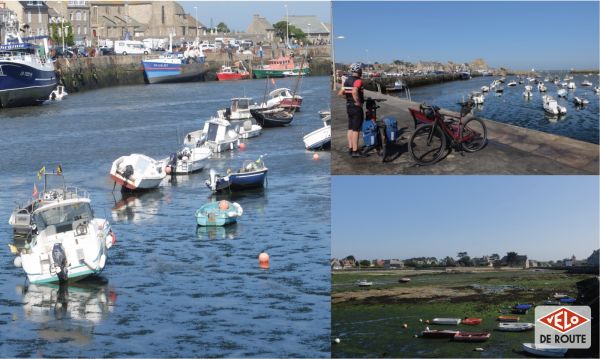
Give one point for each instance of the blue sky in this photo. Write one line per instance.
(545, 217)
(518, 35)
(238, 14)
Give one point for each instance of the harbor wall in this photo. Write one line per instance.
(89, 73)
(379, 84)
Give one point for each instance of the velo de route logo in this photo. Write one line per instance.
(563, 327)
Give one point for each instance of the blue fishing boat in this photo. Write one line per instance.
(523, 306)
(219, 213)
(175, 67)
(27, 76)
(252, 174)
(567, 300)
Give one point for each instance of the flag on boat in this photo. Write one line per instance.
(41, 172)
(59, 170)
(35, 191)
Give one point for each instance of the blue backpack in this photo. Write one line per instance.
(391, 128)
(369, 130)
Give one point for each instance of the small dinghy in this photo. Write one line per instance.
(542, 87)
(543, 350)
(137, 172)
(552, 107)
(560, 295)
(508, 318)
(567, 300)
(321, 138)
(446, 321)
(58, 94)
(187, 160)
(512, 83)
(527, 94)
(562, 93)
(252, 174)
(324, 113)
(515, 327)
(404, 280)
(579, 101)
(219, 213)
(551, 302)
(571, 86)
(435, 334)
(472, 336)
(364, 283)
(485, 88)
(586, 83)
(477, 97)
(273, 117)
(398, 86)
(248, 129)
(471, 321)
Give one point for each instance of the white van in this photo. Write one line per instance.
(126, 47)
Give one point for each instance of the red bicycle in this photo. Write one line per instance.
(430, 139)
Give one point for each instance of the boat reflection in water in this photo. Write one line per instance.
(68, 311)
(217, 232)
(252, 200)
(136, 207)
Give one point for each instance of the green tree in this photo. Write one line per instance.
(56, 34)
(365, 263)
(449, 262)
(293, 31)
(462, 254)
(222, 27)
(465, 261)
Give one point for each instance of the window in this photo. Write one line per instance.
(78, 16)
(85, 16)
(39, 16)
(71, 16)
(85, 30)
(78, 30)
(29, 16)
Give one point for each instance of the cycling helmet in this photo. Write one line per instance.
(356, 67)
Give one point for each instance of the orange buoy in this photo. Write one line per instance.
(316, 156)
(242, 146)
(263, 260)
(223, 205)
(168, 170)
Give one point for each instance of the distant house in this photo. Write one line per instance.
(261, 27)
(32, 15)
(378, 262)
(311, 25)
(393, 264)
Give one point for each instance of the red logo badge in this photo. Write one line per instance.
(563, 320)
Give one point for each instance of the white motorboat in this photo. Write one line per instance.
(137, 172)
(528, 88)
(67, 242)
(542, 87)
(512, 83)
(477, 97)
(543, 350)
(446, 321)
(571, 85)
(218, 134)
(324, 113)
(58, 94)
(485, 88)
(562, 93)
(515, 327)
(321, 138)
(563, 84)
(597, 89)
(527, 94)
(283, 97)
(187, 160)
(398, 86)
(238, 110)
(552, 107)
(580, 101)
(586, 83)
(364, 283)
(248, 129)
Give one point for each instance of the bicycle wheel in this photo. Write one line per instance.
(382, 143)
(427, 147)
(474, 135)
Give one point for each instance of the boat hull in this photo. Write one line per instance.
(240, 181)
(222, 76)
(318, 139)
(24, 85)
(144, 184)
(157, 72)
(263, 73)
(272, 120)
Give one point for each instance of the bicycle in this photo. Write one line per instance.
(429, 140)
(386, 130)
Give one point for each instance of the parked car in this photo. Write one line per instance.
(105, 51)
(60, 51)
(208, 48)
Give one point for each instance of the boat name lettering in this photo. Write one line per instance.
(26, 74)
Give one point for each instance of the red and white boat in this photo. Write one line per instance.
(233, 73)
(471, 321)
(137, 172)
(283, 97)
(472, 336)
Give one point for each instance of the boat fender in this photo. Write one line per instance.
(110, 240)
(102, 261)
(60, 261)
(18, 261)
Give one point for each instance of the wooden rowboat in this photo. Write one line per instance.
(472, 336)
(508, 318)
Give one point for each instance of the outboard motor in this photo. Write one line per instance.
(60, 262)
(213, 179)
(171, 164)
(128, 171)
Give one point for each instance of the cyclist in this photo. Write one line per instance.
(352, 90)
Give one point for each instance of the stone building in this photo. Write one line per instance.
(4, 17)
(311, 25)
(74, 12)
(261, 28)
(142, 19)
(32, 16)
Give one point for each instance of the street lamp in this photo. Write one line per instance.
(97, 26)
(287, 26)
(340, 37)
(308, 35)
(196, 8)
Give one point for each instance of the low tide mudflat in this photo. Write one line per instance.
(370, 322)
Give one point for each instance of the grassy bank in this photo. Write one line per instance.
(370, 322)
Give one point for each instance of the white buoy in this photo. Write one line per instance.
(337, 340)
(18, 261)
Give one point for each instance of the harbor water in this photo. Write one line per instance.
(512, 107)
(171, 289)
